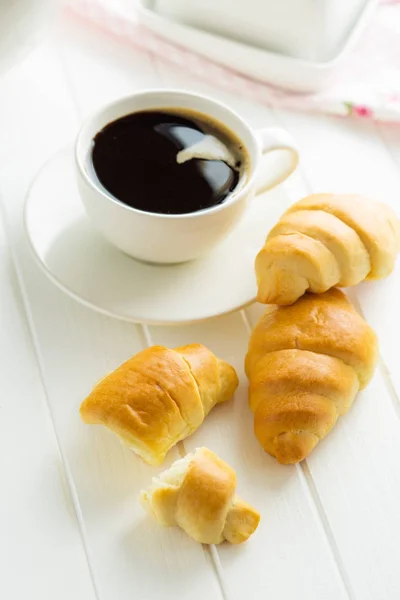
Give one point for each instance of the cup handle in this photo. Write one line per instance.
(271, 139)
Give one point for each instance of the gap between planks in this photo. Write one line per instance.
(305, 474)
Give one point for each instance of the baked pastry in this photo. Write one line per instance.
(198, 494)
(160, 396)
(305, 363)
(326, 240)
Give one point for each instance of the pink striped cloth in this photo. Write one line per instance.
(366, 85)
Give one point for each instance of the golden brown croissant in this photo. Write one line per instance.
(323, 241)
(160, 396)
(198, 494)
(305, 364)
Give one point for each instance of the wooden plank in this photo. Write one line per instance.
(129, 554)
(354, 472)
(289, 514)
(36, 511)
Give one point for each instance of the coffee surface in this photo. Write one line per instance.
(135, 159)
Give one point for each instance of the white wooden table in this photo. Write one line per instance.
(70, 524)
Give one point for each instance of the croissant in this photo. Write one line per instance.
(160, 396)
(305, 363)
(198, 494)
(323, 241)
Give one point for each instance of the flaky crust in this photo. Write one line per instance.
(305, 364)
(160, 396)
(326, 240)
(202, 501)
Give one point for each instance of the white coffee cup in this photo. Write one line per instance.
(162, 238)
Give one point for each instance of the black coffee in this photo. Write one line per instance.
(135, 158)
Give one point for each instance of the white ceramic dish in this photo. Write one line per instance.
(303, 29)
(269, 67)
(80, 262)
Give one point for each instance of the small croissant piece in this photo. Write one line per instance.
(160, 396)
(326, 240)
(198, 494)
(305, 364)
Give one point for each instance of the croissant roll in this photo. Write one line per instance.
(198, 494)
(305, 364)
(323, 241)
(160, 396)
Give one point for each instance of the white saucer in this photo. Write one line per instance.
(85, 266)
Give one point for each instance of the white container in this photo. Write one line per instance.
(287, 72)
(307, 29)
